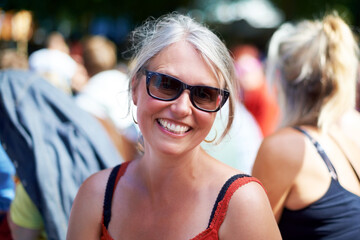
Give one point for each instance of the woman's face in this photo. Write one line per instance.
(174, 127)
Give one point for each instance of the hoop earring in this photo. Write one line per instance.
(132, 114)
(140, 144)
(212, 140)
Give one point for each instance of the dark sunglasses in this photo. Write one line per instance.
(166, 88)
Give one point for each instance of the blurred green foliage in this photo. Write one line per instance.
(74, 10)
(299, 9)
(79, 13)
(138, 10)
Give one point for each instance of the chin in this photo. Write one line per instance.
(173, 149)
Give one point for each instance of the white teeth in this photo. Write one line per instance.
(171, 127)
(178, 128)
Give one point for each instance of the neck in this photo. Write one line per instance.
(164, 174)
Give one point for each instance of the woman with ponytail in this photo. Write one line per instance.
(311, 165)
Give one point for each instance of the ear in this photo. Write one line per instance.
(134, 94)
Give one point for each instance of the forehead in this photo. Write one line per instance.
(183, 61)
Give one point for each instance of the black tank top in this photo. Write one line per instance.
(336, 215)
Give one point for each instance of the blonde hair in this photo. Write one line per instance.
(155, 35)
(316, 63)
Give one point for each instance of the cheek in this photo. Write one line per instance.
(142, 116)
(147, 107)
(206, 120)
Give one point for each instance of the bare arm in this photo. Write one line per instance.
(20, 233)
(249, 216)
(25, 220)
(86, 212)
(277, 164)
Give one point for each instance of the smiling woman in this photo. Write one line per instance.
(182, 75)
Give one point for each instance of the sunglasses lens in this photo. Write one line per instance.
(207, 98)
(164, 87)
(167, 88)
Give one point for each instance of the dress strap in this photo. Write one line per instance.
(112, 182)
(322, 153)
(222, 202)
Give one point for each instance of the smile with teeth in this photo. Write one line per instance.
(171, 127)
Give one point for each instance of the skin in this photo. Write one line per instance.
(295, 175)
(169, 192)
(349, 124)
(20, 233)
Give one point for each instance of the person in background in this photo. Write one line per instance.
(7, 192)
(54, 145)
(11, 59)
(15, 194)
(181, 75)
(311, 166)
(22, 214)
(106, 96)
(54, 62)
(239, 147)
(255, 92)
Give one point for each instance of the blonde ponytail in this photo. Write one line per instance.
(340, 71)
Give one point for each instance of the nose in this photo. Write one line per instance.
(182, 106)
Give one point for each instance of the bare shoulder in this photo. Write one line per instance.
(250, 195)
(85, 224)
(92, 190)
(284, 141)
(278, 163)
(96, 183)
(248, 209)
(249, 198)
(281, 150)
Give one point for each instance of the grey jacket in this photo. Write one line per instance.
(53, 144)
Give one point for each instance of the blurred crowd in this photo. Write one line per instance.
(88, 81)
(95, 80)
